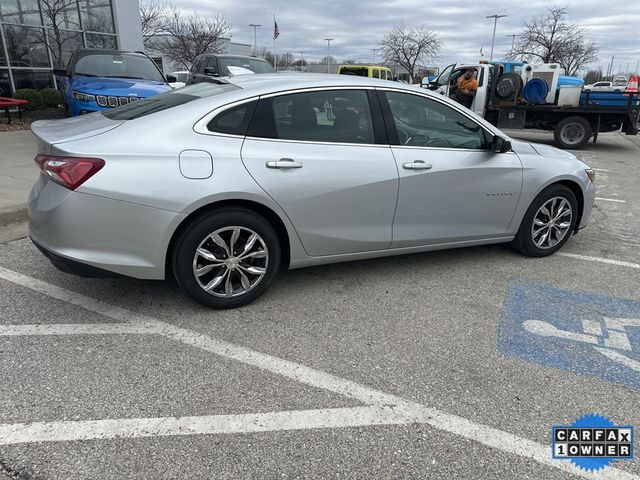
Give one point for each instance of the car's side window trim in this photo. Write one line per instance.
(393, 135)
(380, 136)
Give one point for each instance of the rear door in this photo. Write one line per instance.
(322, 156)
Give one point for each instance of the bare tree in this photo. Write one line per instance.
(186, 37)
(286, 60)
(60, 16)
(323, 60)
(593, 76)
(550, 39)
(152, 19)
(408, 47)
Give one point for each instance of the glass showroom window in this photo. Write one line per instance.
(20, 11)
(5, 84)
(97, 16)
(97, 40)
(26, 46)
(62, 44)
(36, 79)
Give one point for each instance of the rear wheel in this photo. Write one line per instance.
(572, 132)
(548, 223)
(226, 259)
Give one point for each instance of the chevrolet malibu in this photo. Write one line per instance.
(224, 183)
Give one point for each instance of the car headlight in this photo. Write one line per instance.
(591, 174)
(83, 97)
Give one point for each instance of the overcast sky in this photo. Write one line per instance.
(357, 26)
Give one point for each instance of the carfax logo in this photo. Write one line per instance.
(592, 442)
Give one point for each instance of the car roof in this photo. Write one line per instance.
(228, 55)
(273, 82)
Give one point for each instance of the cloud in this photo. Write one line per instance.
(358, 26)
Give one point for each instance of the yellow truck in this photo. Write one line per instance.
(372, 71)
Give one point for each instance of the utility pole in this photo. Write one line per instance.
(301, 61)
(493, 39)
(328, 40)
(513, 42)
(255, 37)
(373, 55)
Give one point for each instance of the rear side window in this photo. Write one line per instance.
(337, 116)
(233, 121)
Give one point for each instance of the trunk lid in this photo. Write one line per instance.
(51, 132)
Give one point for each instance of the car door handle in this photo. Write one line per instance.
(283, 163)
(417, 165)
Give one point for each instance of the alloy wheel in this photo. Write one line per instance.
(230, 261)
(551, 223)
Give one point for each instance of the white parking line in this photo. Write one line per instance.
(382, 408)
(74, 329)
(610, 200)
(200, 425)
(618, 263)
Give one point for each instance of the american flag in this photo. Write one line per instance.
(276, 32)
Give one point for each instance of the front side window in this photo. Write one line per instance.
(337, 116)
(422, 122)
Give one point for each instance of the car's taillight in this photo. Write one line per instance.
(70, 172)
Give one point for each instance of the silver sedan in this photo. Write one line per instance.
(223, 184)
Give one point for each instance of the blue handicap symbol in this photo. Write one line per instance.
(585, 333)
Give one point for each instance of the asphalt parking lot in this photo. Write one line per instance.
(433, 365)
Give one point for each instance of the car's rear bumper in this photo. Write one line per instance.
(85, 233)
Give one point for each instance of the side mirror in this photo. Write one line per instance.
(60, 72)
(500, 145)
(171, 78)
(210, 71)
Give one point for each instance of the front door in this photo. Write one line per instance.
(316, 154)
(452, 187)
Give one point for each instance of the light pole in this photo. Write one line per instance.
(328, 40)
(301, 61)
(495, 22)
(513, 42)
(255, 38)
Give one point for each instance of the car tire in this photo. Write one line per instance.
(226, 258)
(572, 133)
(529, 239)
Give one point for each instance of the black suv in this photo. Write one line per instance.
(211, 65)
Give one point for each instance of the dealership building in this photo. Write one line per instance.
(40, 35)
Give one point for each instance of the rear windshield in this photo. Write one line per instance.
(166, 100)
(252, 64)
(117, 65)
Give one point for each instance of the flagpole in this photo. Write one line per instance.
(275, 56)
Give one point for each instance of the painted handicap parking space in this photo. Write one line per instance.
(585, 333)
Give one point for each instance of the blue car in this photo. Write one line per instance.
(103, 79)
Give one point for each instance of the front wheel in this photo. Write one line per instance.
(572, 132)
(226, 259)
(548, 223)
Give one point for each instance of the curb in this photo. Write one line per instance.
(15, 215)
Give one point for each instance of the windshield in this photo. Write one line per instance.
(167, 100)
(253, 64)
(118, 65)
